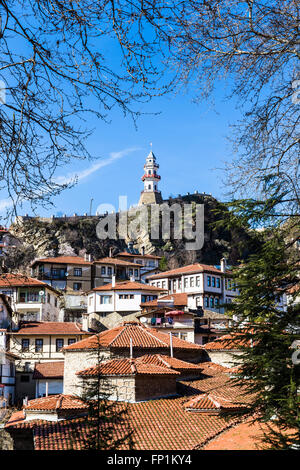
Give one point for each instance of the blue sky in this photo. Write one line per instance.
(189, 141)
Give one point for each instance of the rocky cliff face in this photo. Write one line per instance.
(77, 236)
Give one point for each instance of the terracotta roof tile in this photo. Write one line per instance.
(51, 328)
(116, 262)
(142, 338)
(190, 269)
(128, 366)
(56, 402)
(129, 285)
(63, 260)
(49, 370)
(157, 425)
(226, 342)
(171, 362)
(18, 280)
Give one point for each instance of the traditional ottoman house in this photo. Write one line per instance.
(38, 342)
(112, 303)
(73, 273)
(48, 378)
(206, 286)
(137, 379)
(129, 339)
(30, 299)
(105, 268)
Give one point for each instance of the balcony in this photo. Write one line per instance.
(168, 322)
(150, 176)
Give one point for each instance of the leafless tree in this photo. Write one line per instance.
(58, 61)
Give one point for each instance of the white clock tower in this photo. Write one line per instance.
(151, 194)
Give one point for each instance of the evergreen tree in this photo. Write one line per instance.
(264, 331)
(107, 424)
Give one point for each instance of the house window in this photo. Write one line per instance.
(90, 300)
(216, 302)
(136, 273)
(191, 282)
(109, 271)
(39, 345)
(163, 284)
(208, 281)
(211, 302)
(185, 282)
(24, 378)
(183, 336)
(25, 345)
(131, 296)
(77, 285)
(130, 272)
(78, 272)
(206, 302)
(48, 298)
(218, 282)
(213, 281)
(59, 344)
(55, 301)
(71, 341)
(105, 299)
(103, 270)
(179, 284)
(198, 281)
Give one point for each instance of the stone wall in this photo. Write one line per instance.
(148, 387)
(76, 361)
(225, 358)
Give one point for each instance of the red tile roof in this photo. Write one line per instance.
(226, 342)
(179, 300)
(126, 367)
(19, 280)
(63, 260)
(48, 370)
(190, 269)
(207, 402)
(50, 328)
(129, 285)
(141, 336)
(171, 362)
(116, 262)
(56, 402)
(157, 425)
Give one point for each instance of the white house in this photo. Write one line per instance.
(7, 372)
(112, 303)
(105, 268)
(30, 299)
(205, 285)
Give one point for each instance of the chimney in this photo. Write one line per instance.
(171, 345)
(87, 257)
(223, 265)
(113, 281)
(132, 279)
(85, 322)
(131, 349)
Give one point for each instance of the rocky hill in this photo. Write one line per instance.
(77, 236)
